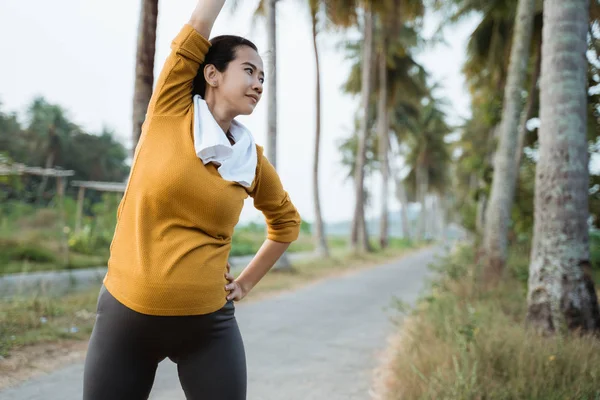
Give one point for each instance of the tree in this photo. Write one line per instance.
(359, 240)
(50, 130)
(272, 79)
(370, 11)
(561, 295)
(144, 66)
(505, 168)
(12, 140)
(393, 49)
(428, 156)
(486, 69)
(383, 128)
(319, 231)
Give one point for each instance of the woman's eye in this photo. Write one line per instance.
(250, 71)
(262, 81)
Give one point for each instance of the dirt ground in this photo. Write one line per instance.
(32, 361)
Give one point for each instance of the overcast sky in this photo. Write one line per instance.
(81, 55)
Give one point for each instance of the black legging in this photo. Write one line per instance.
(126, 347)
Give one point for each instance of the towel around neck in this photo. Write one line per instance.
(237, 161)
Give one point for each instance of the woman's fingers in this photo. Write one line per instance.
(235, 294)
(235, 291)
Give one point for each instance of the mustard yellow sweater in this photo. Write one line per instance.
(175, 221)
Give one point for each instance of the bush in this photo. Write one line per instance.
(12, 250)
(86, 242)
(30, 252)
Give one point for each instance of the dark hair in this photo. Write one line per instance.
(221, 53)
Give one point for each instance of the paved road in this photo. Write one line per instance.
(320, 342)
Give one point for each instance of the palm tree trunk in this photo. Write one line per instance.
(272, 79)
(359, 238)
(433, 216)
(283, 262)
(480, 213)
(383, 128)
(52, 149)
(533, 94)
(482, 200)
(319, 232)
(505, 171)
(421, 180)
(401, 196)
(443, 217)
(47, 165)
(561, 293)
(144, 66)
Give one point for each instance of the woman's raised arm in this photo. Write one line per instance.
(205, 14)
(173, 92)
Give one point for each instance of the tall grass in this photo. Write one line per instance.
(462, 342)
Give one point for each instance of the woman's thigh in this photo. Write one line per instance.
(215, 368)
(123, 353)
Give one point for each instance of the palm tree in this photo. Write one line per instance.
(561, 295)
(49, 129)
(486, 69)
(144, 66)
(360, 80)
(359, 240)
(344, 13)
(319, 232)
(428, 156)
(505, 170)
(402, 198)
(271, 12)
(392, 46)
(383, 127)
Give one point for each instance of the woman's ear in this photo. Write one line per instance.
(211, 75)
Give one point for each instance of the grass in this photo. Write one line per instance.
(26, 321)
(461, 342)
(38, 319)
(77, 261)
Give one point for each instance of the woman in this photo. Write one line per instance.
(168, 291)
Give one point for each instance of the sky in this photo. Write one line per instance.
(80, 54)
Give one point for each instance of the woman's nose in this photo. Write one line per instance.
(258, 86)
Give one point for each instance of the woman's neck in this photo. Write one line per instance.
(220, 113)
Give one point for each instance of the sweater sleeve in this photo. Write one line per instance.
(173, 91)
(283, 220)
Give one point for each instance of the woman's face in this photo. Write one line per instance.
(239, 88)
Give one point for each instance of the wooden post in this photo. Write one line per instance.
(80, 198)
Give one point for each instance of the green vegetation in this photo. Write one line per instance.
(30, 236)
(466, 342)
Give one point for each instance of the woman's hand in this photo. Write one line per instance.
(235, 289)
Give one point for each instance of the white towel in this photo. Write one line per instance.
(237, 162)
